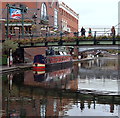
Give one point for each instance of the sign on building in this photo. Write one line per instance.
(15, 13)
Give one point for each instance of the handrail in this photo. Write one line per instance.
(59, 38)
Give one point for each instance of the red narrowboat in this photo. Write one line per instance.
(41, 62)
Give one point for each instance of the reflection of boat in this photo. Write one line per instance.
(39, 76)
(49, 79)
(51, 76)
(52, 59)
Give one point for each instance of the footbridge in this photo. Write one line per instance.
(98, 38)
(81, 43)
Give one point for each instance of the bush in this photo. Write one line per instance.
(3, 60)
(9, 44)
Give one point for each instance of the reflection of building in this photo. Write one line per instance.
(23, 101)
(32, 101)
(119, 17)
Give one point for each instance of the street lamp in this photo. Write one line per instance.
(61, 42)
(46, 35)
(76, 34)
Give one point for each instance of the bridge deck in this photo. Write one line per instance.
(74, 43)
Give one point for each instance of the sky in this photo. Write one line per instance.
(95, 13)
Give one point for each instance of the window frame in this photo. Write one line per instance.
(55, 18)
(43, 11)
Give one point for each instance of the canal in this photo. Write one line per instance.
(88, 88)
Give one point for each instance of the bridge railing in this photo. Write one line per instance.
(96, 31)
(102, 31)
(64, 38)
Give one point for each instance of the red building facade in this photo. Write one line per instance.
(41, 19)
(70, 19)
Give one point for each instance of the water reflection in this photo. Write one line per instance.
(99, 75)
(63, 92)
(55, 79)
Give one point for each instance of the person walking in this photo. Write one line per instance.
(83, 31)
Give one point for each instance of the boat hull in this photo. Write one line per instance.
(51, 62)
(38, 67)
(61, 65)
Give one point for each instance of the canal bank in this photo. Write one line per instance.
(17, 67)
(22, 66)
(6, 69)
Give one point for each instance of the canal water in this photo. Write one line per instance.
(88, 88)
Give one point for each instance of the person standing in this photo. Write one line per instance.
(89, 32)
(83, 31)
(113, 34)
(113, 31)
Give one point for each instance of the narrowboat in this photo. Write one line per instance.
(39, 63)
(51, 60)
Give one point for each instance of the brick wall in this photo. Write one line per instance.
(29, 53)
(35, 8)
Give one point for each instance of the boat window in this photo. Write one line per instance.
(64, 53)
(52, 51)
(61, 53)
(57, 53)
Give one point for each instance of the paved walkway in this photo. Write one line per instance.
(15, 67)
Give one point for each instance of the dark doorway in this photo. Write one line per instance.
(18, 56)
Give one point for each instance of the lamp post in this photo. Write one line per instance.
(76, 34)
(61, 42)
(7, 32)
(46, 35)
(22, 11)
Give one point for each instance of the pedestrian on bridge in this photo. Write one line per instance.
(89, 32)
(83, 31)
(113, 31)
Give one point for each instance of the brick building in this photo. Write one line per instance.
(41, 19)
(40, 102)
(70, 19)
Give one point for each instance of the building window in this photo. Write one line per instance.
(43, 11)
(55, 18)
